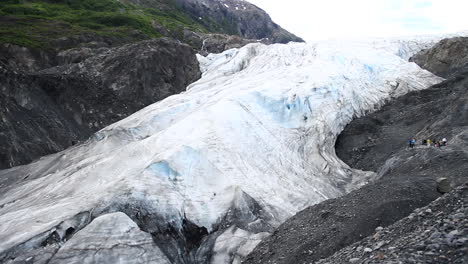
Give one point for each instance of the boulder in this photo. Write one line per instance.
(443, 185)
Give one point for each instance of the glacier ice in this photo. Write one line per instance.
(256, 131)
(113, 238)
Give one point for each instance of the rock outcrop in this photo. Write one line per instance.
(237, 17)
(50, 110)
(446, 58)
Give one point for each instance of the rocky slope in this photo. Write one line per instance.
(378, 142)
(446, 59)
(50, 110)
(60, 25)
(436, 233)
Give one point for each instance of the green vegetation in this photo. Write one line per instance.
(34, 23)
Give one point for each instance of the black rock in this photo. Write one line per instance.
(443, 185)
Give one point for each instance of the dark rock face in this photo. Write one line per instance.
(446, 58)
(237, 17)
(50, 110)
(32, 124)
(408, 178)
(25, 59)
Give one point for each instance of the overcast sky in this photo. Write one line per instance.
(322, 19)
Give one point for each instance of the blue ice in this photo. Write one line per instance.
(285, 111)
(368, 68)
(163, 168)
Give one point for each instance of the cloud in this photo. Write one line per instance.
(343, 18)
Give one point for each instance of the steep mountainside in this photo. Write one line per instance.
(406, 177)
(50, 110)
(40, 23)
(237, 17)
(211, 172)
(446, 59)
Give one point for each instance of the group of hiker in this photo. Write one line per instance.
(429, 142)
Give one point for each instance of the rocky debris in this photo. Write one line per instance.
(50, 110)
(437, 233)
(446, 58)
(111, 238)
(236, 17)
(322, 229)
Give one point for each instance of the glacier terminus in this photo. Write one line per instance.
(204, 176)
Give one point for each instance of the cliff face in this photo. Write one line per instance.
(50, 110)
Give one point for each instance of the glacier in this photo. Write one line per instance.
(244, 148)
